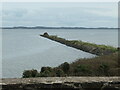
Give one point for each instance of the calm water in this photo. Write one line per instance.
(25, 49)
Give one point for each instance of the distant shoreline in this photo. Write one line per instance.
(43, 27)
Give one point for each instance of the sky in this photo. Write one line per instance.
(75, 14)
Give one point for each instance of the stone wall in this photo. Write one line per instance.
(61, 83)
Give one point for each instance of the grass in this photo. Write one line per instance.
(84, 46)
(94, 45)
(106, 65)
(103, 65)
(84, 43)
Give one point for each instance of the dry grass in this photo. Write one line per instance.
(93, 64)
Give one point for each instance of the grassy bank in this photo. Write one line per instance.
(84, 46)
(106, 65)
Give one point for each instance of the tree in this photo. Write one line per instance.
(59, 73)
(34, 72)
(46, 73)
(29, 73)
(65, 67)
(46, 68)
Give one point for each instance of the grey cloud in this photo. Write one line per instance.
(57, 15)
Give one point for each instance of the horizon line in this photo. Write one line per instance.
(21, 26)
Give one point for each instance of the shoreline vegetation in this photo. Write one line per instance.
(106, 64)
(84, 46)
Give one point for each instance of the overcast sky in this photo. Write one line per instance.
(60, 14)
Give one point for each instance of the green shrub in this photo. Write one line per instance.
(29, 73)
(59, 73)
(82, 70)
(46, 68)
(46, 73)
(103, 69)
(65, 67)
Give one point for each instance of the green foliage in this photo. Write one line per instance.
(78, 44)
(82, 70)
(46, 73)
(106, 65)
(85, 46)
(65, 67)
(30, 73)
(46, 69)
(103, 69)
(94, 45)
(59, 73)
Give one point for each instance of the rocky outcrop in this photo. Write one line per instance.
(61, 83)
(84, 46)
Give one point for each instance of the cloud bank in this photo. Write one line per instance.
(60, 14)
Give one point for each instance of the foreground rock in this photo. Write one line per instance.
(61, 83)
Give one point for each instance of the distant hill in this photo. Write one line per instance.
(44, 27)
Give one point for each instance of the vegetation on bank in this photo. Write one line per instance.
(84, 46)
(106, 65)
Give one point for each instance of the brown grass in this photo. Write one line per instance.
(94, 63)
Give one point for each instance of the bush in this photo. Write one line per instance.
(82, 70)
(46, 68)
(65, 67)
(46, 73)
(103, 69)
(59, 73)
(29, 73)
